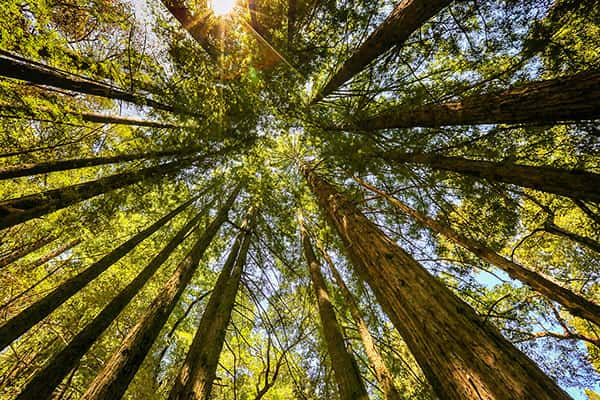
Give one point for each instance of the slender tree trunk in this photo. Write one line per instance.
(197, 25)
(25, 250)
(571, 301)
(345, 368)
(53, 254)
(550, 227)
(27, 70)
(112, 382)
(18, 210)
(45, 381)
(199, 369)
(406, 18)
(570, 98)
(22, 322)
(382, 374)
(462, 357)
(577, 184)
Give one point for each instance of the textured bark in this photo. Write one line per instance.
(576, 304)
(26, 70)
(570, 98)
(382, 374)
(345, 368)
(199, 369)
(196, 25)
(25, 250)
(45, 381)
(585, 241)
(461, 355)
(18, 210)
(406, 18)
(22, 322)
(577, 184)
(111, 383)
(53, 254)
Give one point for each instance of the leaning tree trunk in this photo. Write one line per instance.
(576, 184)
(406, 18)
(461, 355)
(112, 382)
(345, 368)
(199, 369)
(198, 26)
(591, 244)
(45, 381)
(570, 98)
(25, 250)
(22, 322)
(53, 254)
(382, 374)
(30, 71)
(18, 210)
(571, 301)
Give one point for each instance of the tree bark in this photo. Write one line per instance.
(462, 357)
(576, 184)
(199, 369)
(22, 322)
(26, 70)
(53, 254)
(570, 98)
(576, 304)
(45, 381)
(382, 374)
(25, 250)
(406, 18)
(345, 368)
(112, 382)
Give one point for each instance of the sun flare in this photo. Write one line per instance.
(222, 7)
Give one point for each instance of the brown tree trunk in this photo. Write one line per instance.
(577, 184)
(382, 374)
(27, 70)
(199, 369)
(25, 250)
(406, 18)
(576, 304)
(345, 368)
(550, 227)
(111, 383)
(462, 357)
(570, 98)
(53, 254)
(18, 210)
(45, 381)
(22, 322)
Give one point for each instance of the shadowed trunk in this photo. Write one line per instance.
(461, 355)
(345, 368)
(112, 382)
(591, 244)
(197, 24)
(22, 322)
(25, 250)
(53, 254)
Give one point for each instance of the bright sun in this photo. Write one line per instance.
(222, 7)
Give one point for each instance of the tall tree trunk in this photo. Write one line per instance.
(406, 18)
(345, 368)
(591, 244)
(45, 381)
(461, 355)
(30, 71)
(576, 304)
(22, 322)
(53, 254)
(112, 382)
(577, 184)
(382, 374)
(199, 369)
(570, 98)
(25, 250)
(18, 210)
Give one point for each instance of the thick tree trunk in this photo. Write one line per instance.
(196, 24)
(25, 250)
(45, 381)
(111, 383)
(591, 244)
(406, 18)
(18, 210)
(53, 254)
(576, 304)
(382, 374)
(345, 368)
(33, 314)
(461, 355)
(26, 70)
(199, 369)
(576, 184)
(570, 98)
